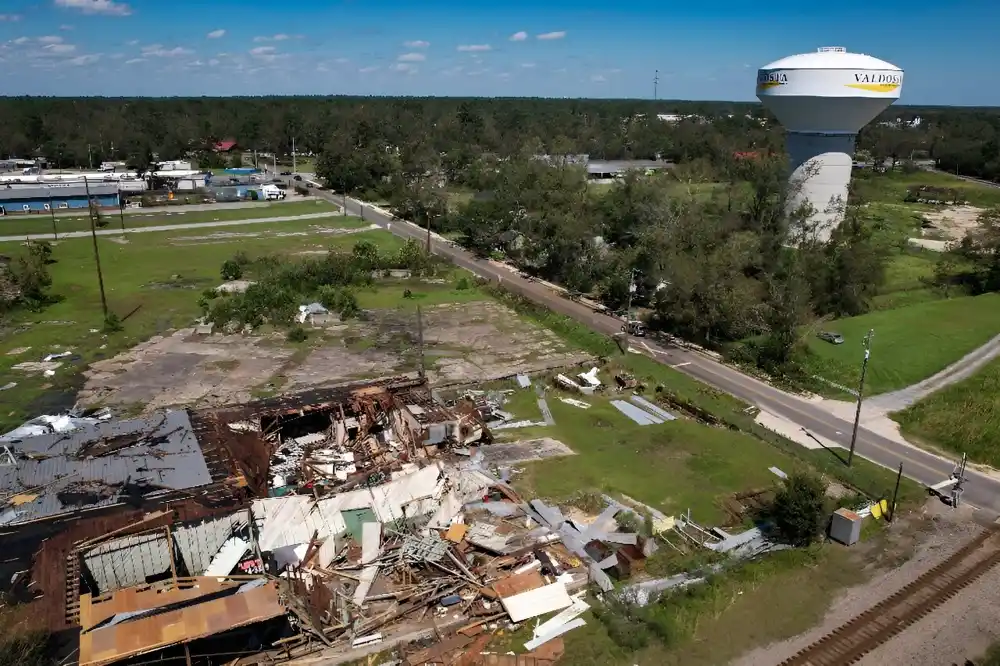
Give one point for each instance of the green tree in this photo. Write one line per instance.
(799, 509)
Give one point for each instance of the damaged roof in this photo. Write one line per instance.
(99, 465)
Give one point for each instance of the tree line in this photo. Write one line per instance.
(83, 131)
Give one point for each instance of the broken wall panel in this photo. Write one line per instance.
(128, 561)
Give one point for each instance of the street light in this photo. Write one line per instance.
(861, 390)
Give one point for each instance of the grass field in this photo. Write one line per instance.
(961, 418)
(41, 224)
(911, 343)
(892, 187)
(152, 282)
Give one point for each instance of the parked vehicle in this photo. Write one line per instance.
(635, 327)
(831, 337)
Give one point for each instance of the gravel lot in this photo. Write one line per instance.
(960, 629)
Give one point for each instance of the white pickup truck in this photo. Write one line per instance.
(272, 192)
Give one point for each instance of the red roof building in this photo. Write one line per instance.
(224, 146)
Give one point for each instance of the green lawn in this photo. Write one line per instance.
(962, 418)
(389, 294)
(152, 282)
(41, 224)
(672, 466)
(911, 343)
(892, 187)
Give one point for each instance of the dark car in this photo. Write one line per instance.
(285, 173)
(297, 177)
(831, 337)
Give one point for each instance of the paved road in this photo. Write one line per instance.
(171, 227)
(987, 183)
(957, 371)
(981, 490)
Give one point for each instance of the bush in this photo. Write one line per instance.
(339, 300)
(231, 270)
(112, 323)
(298, 334)
(463, 284)
(799, 509)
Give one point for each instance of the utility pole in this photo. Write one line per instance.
(55, 234)
(631, 290)
(97, 254)
(420, 341)
(90, 156)
(861, 391)
(895, 493)
(121, 211)
(294, 169)
(427, 215)
(656, 83)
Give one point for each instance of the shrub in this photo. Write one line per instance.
(463, 284)
(799, 508)
(231, 270)
(297, 334)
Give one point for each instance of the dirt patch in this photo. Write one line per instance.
(951, 222)
(913, 547)
(463, 343)
(182, 369)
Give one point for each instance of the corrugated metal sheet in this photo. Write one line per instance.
(198, 544)
(636, 414)
(652, 408)
(67, 472)
(129, 561)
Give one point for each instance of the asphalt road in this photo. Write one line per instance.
(171, 227)
(980, 490)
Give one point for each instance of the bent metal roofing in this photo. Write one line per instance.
(99, 465)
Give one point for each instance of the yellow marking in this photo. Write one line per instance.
(874, 87)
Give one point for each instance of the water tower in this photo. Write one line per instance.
(823, 99)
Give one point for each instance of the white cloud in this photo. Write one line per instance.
(160, 51)
(417, 44)
(503, 75)
(215, 34)
(474, 47)
(403, 67)
(135, 61)
(196, 63)
(65, 26)
(88, 59)
(213, 62)
(50, 39)
(60, 49)
(132, 42)
(342, 61)
(9, 18)
(107, 7)
(412, 57)
(558, 34)
(262, 51)
(519, 36)
(280, 37)
(527, 65)
(20, 41)
(368, 70)
(598, 78)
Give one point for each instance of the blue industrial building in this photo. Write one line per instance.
(42, 198)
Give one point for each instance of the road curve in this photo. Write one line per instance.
(981, 490)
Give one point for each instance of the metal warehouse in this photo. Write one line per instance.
(40, 199)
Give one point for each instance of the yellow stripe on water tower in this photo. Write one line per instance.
(874, 87)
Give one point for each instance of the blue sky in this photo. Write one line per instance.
(551, 48)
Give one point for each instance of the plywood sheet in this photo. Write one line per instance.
(518, 583)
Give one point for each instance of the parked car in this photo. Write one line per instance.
(831, 337)
(297, 177)
(285, 173)
(635, 327)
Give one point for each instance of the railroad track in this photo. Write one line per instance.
(851, 641)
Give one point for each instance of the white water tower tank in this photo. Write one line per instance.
(823, 99)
